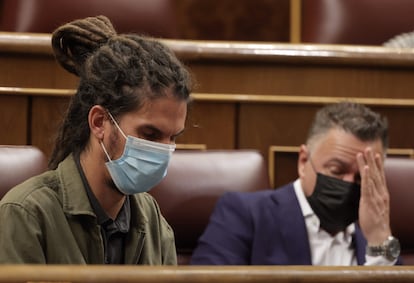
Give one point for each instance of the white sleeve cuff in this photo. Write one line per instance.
(378, 260)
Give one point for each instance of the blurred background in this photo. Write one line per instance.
(364, 22)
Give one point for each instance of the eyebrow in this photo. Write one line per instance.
(158, 131)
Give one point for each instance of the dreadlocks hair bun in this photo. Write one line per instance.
(73, 42)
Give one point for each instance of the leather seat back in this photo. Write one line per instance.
(18, 163)
(194, 182)
(363, 22)
(399, 173)
(151, 17)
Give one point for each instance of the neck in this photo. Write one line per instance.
(100, 182)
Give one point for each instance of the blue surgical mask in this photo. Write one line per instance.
(142, 165)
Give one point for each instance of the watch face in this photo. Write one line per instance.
(393, 249)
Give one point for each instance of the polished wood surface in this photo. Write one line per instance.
(246, 95)
(195, 274)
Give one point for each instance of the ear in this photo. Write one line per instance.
(96, 118)
(302, 159)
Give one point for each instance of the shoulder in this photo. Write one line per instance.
(240, 203)
(38, 197)
(147, 215)
(147, 209)
(45, 187)
(41, 187)
(255, 198)
(255, 205)
(145, 202)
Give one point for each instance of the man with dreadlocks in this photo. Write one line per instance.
(114, 145)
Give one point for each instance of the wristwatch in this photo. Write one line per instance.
(390, 249)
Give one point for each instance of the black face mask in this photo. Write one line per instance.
(335, 202)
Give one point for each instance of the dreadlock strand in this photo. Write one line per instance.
(75, 41)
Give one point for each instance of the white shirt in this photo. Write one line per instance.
(325, 248)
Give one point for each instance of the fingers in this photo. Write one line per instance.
(374, 201)
(375, 171)
(375, 175)
(380, 166)
(364, 172)
(374, 192)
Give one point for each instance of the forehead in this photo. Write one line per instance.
(337, 143)
(166, 113)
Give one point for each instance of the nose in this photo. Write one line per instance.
(166, 140)
(350, 177)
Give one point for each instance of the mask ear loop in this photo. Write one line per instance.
(106, 153)
(116, 124)
(311, 162)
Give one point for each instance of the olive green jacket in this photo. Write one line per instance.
(48, 219)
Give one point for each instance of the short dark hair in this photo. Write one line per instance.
(354, 118)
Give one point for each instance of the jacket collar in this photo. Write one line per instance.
(74, 197)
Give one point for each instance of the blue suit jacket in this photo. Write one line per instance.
(260, 228)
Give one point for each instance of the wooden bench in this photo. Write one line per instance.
(202, 274)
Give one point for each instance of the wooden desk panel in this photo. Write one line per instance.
(281, 78)
(212, 124)
(218, 121)
(26, 60)
(33, 70)
(245, 91)
(46, 115)
(262, 125)
(14, 119)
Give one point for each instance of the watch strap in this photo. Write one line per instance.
(390, 249)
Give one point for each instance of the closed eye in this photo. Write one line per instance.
(150, 133)
(154, 134)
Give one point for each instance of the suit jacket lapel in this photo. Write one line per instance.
(360, 244)
(288, 216)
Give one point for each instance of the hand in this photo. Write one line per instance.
(374, 204)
